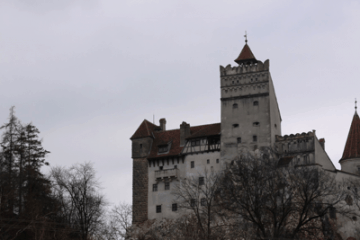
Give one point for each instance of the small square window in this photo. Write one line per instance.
(174, 207)
(167, 185)
(256, 124)
(254, 138)
(175, 166)
(208, 161)
(161, 168)
(192, 164)
(192, 202)
(203, 202)
(201, 181)
(195, 142)
(235, 125)
(217, 160)
(235, 105)
(239, 140)
(155, 188)
(158, 209)
(256, 103)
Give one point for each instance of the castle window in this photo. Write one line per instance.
(232, 82)
(275, 125)
(201, 181)
(349, 200)
(192, 164)
(332, 212)
(175, 166)
(195, 142)
(354, 218)
(217, 160)
(235, 105)
(235, 125)
(161, 168)
(155, 188)
(208, 161)
(256, 103)
(167, 185)
(174, 207)
(256, 124)
(163, 148)
(158, 209)
(254, 138)
(140, 146)
(203, 202)
(192, 202)
(239, 140)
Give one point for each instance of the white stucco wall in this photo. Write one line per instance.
(164, 197)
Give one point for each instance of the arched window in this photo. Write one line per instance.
(256, 103)
(235, 105)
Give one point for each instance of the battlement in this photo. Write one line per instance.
(295, 143)
(296, 136)
(244, 68)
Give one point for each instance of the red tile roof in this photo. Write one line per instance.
(352, 146)
(144, 130)
(173, 136)
(246, 55)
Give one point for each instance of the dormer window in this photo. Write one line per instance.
(163, 148)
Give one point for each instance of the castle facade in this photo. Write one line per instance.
(250, 118)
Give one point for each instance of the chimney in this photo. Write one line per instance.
(184, 133)
(322, 143)
(163, 124)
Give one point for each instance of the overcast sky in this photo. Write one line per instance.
(88, 72)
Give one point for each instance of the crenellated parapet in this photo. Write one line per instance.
(295, 143)
(300, 146)
(244, 68)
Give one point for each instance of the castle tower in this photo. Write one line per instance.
(250, 116)
(350, 161)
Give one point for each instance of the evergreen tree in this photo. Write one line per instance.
(8, 161)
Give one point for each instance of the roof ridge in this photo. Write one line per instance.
(192, 127)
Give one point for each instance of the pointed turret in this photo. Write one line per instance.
(246, 56)
(350, 161)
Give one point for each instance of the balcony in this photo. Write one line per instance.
(166, 174)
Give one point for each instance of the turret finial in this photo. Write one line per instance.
(245, 37)
(355, 106)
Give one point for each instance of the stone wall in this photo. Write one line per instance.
(140, 190)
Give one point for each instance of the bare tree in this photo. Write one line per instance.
(120, 219)
(78, 191)
(196, 195)
(270, 201)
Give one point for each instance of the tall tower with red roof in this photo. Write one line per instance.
(350, 161)
(250, 116)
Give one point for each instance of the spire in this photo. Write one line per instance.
(246, 56)
(352, 146)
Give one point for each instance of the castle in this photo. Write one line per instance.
(250, 118)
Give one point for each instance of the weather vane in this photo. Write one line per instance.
(245, 37)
